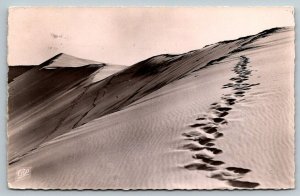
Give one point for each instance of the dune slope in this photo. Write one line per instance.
(218, 117)
(39, 98)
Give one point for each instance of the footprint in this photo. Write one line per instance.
(239, 92)
(213, 162)
(214, 150)
(199, 166)
(239, 81)
(238, 170)
(192, 134)
(207, 159)
(218, 134)
(223, 109)
(242, 184)
(230, 99)
(192, 147)
(202, 156)
(222, 114)
(197, 125)
(209, 129)
(228, 85)
(243, 88)
(218, 120)
(204, 140)
(239, 95)
(231, 103)
(223, 175)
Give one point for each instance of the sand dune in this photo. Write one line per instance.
(48, 96)
(218, 117)
(66, 60)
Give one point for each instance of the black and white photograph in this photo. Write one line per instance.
(151, 98)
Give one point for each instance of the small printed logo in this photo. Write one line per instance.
(22, 173)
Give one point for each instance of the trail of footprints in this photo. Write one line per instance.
(207, 129)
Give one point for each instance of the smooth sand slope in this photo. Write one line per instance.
(218, 117)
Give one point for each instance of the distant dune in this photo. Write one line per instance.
(217, 117)
(65, 60)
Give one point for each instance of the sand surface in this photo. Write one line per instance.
(221, 117)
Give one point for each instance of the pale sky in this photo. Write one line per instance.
(125, 36)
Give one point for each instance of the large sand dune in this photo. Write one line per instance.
(218, 117)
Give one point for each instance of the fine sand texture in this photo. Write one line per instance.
(221, 117)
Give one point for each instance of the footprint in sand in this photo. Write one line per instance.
(192, 147)
(199, 166)
(207, 159)
(242, 184)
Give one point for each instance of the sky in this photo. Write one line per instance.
(126, 36)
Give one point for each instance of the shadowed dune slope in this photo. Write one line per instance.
(15, 71)
(38, 93)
